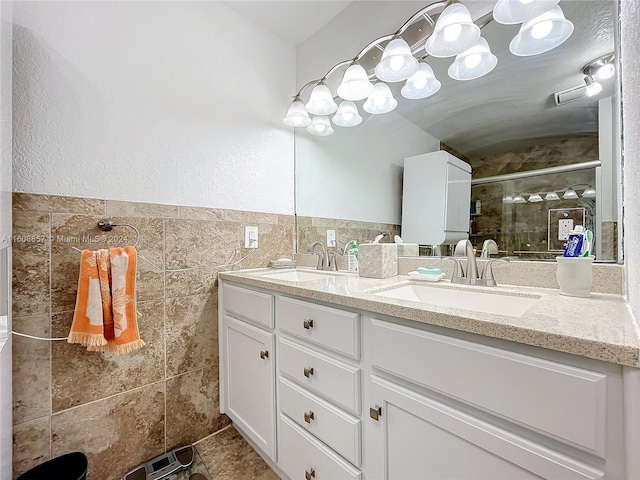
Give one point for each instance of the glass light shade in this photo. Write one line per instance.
(535, 198)
(516, 199)
(473, 63)
(570, 194)
(421, 84)
(397, 62)
(355, 84)
(542, 33)
(589, 192)
(509, 12)
(454, 32)
(320, 126)
(321, 101)
(347, 115)
(593, 87)
(380, 101)
(507, 199)
(606, 71)
(551, 196)
(297, 116)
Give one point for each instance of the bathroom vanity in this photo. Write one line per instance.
(332, 376)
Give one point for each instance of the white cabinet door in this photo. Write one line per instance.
(250, 382)
(416, 437)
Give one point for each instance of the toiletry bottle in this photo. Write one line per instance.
(353, 258)
(575, 241)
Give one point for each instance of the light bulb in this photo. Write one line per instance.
(396, 63)
(473, 60)
(542, 29)
(606, 71)
(526, 2)
(593, 87)
(420, 83)
(452, 32)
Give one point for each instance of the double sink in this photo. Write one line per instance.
(466, 298)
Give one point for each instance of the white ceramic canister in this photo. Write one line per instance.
(575, 275)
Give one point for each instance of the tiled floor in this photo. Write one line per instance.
(229, 457)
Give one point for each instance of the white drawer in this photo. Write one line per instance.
(562, 401)
(248, 304)
(334, 427)
(332, 328)
(304, 457)
(324, 375)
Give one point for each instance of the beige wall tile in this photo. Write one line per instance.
(57, 204)
(138, 209)
(117, 433)
(31, 369)
(30, 258)
(201, 213)
(79, 376)
(191, 330)
(249, 218)
(195, 282)
(31, 444)
(193, 407)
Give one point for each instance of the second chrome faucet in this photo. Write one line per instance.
(469, 275)
(326, 260)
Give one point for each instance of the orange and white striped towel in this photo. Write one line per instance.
(105, 315)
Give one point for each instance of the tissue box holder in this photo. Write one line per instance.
(378, 260)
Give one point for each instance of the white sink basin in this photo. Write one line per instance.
(498, 303)
(296, 276)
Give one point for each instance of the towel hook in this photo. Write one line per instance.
(106, 225)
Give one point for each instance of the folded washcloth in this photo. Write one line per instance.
(105, 313)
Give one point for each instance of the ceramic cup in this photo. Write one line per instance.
(574, 275)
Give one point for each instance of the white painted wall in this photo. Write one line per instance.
(630, 66)
(165, 102)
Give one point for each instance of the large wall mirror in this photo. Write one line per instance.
(534, 161)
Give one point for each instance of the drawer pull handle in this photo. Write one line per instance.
(309, 474)
(308, 416)
(307, 324)
(308, 371)
(375, 412)
(264, 354)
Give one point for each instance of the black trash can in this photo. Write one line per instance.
(71, 466)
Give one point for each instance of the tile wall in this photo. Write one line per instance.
(123, 410)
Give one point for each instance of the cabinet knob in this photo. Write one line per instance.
(264, 354)
(309, 474)
(308, 371)
(375, 412)
(307, 324)
(308, 416)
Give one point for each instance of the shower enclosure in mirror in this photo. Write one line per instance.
(529, 114)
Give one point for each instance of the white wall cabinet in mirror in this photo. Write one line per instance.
(507, 121)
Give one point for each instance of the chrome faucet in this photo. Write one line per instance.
(469, 276)
(326, 260)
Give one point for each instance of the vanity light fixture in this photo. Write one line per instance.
(473, 63)
(519, 199)
(321, 101)
(541, 34)
(421, 84)
(602, 68)
(297, 115)
(550, 196)
(535, 198)
(355, 84)
(454, 32)
(397, 62)
(381, 100)
(570, 194)
(589, 192)
(347, 115)
(510, 12)
(320, 126)
(593, 87)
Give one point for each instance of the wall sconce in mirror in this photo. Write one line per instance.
(570, 194)
(445, 29)
(589, 192)
(519, 199)
(535, 198)
(551, 196)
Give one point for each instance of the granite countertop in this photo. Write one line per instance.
(599, 327)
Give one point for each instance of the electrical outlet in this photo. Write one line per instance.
(250, 237)
(564, 228)
(331, 238)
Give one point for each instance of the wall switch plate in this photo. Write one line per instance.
(564, 228)
(250, 237)
(331, 238)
